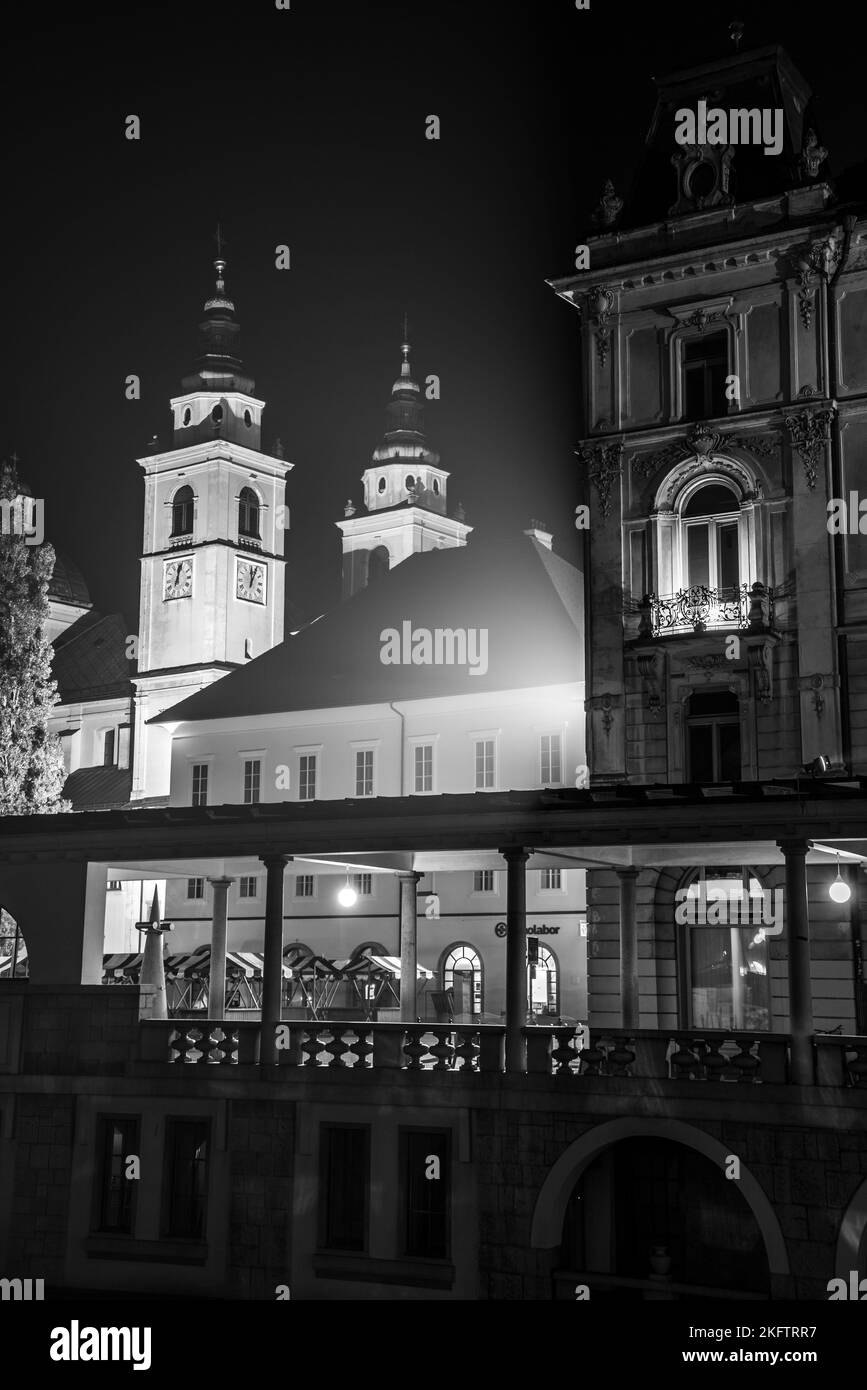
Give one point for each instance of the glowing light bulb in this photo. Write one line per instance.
(347, 897)
(840, 891)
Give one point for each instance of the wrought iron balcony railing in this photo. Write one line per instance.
(700, 609)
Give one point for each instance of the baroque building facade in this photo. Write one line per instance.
(725, 391)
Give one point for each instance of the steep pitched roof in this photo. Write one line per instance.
(90, 658)
(529, 601)
(98, 788)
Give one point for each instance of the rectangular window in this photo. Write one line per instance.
(483, 881)
(249, 886)
(552, 770)
(108, 748)
(185, 1178)
(426, 1187)
(705, 366)
(252, 780)
(727, 555)
(343, 1186)
(117, 1138)
(307, 777)
(363, 884)
(728, 980)
(304, 886)
(484, 764)
(698, 555)
(423, 767)
(550, 880)
(364, 772)
(114, 885)
(200, 784)
(195, 887)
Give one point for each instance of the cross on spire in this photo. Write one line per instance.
(219, 240)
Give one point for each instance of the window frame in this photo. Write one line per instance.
(559, 736)
(170, 1125)
(683, 939)
(326, 1128)
(197, 765)
(430, 1135)
(99, 1194)
(477, 990)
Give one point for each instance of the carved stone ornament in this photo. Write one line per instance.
(819, 684)
(817, 259)
(704, 443)
(600, 302)
(605, 706)
(708, 664)
(809, 432)
(813, 156)
(651, 670)
(760, 658)
(608, 209)
(604, 463)
(701, 318)
(697, 161)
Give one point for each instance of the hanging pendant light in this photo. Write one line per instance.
(347, 897)
(839, 890)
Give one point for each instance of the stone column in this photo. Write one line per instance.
(797, 931)
(516, 957)
(628, 949)
(408, 947)
(272, 983)
(219, 930)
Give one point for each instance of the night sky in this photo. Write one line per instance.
(306, 127)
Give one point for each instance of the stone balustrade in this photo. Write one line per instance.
(693, 1055)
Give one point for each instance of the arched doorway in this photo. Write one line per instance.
(14, 964)
(642, 1209)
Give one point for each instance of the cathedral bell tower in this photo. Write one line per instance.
(212, 583)
(405, 494)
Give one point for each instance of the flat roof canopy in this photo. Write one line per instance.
(612, 825)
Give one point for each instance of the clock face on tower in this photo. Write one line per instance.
(177, 579)
(250, 581)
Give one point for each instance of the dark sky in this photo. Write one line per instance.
(306, 127)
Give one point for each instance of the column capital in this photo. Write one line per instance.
(628, 871)
(218, 882)
(409, 874)
(515, 854)
(276, 859)
(795, 845)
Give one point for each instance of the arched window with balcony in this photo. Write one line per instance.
(706, 546)
(248, 514)
(183, 504)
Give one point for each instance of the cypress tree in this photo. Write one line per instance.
(32, 773)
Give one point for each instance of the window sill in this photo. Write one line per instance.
(361, 1269)
(175, 1252)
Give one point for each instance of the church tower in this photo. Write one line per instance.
(212, 583)
(405, 494)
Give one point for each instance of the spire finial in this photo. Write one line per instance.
(220, 262)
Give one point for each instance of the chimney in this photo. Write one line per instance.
(538, 531)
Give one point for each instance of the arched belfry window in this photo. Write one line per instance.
(182, 511)
(248, 514)
(378, 563)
